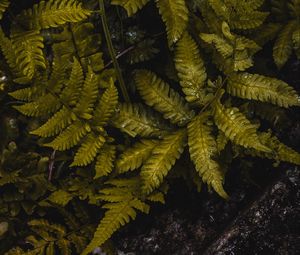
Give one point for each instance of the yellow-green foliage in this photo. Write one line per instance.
(197, 101)
(288, 13)
(3, 5)
(203, 149)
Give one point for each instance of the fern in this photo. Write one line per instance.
(234, 53)
(88, 150)
(56, 68)
(158, 94)
(237, 127)
(240, 14)
(29, 53)
(203, 149)
(131, 6)
(191, 70)
(53, 13)
(162, 158)
(106, 106)
(135, 119)
(283, 46)
(262, 88)
(3, 6)
(105, 161)
(135, 156)
(175, 15)
(123, 201)
(69, 123)
(280, 151)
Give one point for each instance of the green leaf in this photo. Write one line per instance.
(262, 88)
(237, 127)
(105, 161)
(190, 67)
(53, 13)
(28, 49)
(175, 16)
(135, 119)
(106, 106)
(3, 6)
(158, 94)
(133, 157)
(162, 158)
(59, 121)
(131, 6)
(88, 150)
(203, 150)
(283, 46)
(70, 136)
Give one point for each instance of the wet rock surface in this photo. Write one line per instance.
(265, 222)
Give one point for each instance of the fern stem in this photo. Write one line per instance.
(112, 52)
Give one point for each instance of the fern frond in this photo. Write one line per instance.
(203, 149)
(266, 33)
(135, 119)
(59, 121)
(262, 88)
(106, 106)
(118, 215)
(9, 54)
(25, 94)
(64, 246)
(105, 161)
(88, 150)
(73, 87)
(28, 49)
(70, 136)
(120, 211)
(175, 16)
(222, 141)
(240, 14)
(190, 67)
(131, 6)
(280, 151)
(53, 13)
(283, 152)
(135, 156)
(59, 197)
(38, 107)
(158, 94)
(142, 52)
(3, 6)
(89, 93)
(249, 20)
(162, 158)
(283, 46)
(237, 127)
(222, 46)
(296, 42)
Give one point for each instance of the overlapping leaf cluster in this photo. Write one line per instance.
(117, 155)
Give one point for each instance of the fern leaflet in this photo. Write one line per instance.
(175, 15)
(237, 127)
(190, 67)
(105, 161)
(203, 150)
(262, 88)
(162, 158)
(131, 6)
(53, 13)
(135, 119)
(158, 94)
(135, 156)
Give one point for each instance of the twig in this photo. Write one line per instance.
(112, 52)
